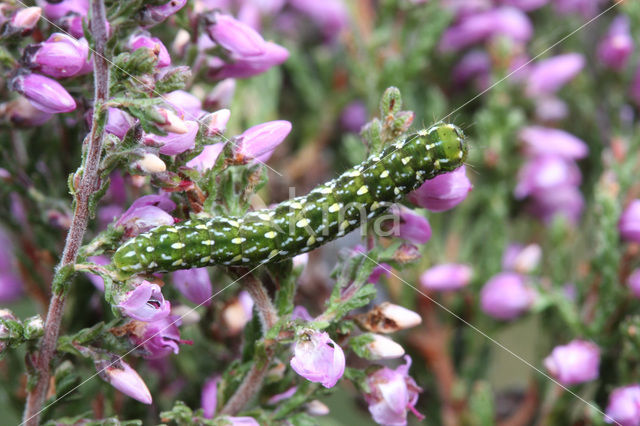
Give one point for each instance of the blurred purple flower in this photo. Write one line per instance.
(10, 282)
(474, 65)
(145, 213)
(391, 394)
(235, 36)
(174, 143)
(300, 312)
(526, 5)
(634, 283)
(410, 226)
(242, 421)
(124, 378)
(282, 396)
(153, 15)
(144, 303)
(331, 16)
(140, 40)
(216, 122)
(506, 296)
(209, 398)
(442, 192)
(354, 116)
(446, 277)
(551, 109)
(520, 258)
(185, 103)
(574, 363)
(629, 223)
(244, 67)
(118, 122)
(97, 280)
(383, 347)
(548, 75)
(624, 406)
(586, 8)
(156, 339)
(24, 19)
(258, 142)
(615, 49)
(221, 95)
(207, 158)
(21, 112)
(318, 359)
(58, 9)
(194, 284)
(503, 21)
(566, 201)
(540, 140)
(634, 90)
(60, 56)
(44, 93)
(546, 173)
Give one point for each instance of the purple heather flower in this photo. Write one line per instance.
(474, 65)
(185, 103)
(300, 312)
(10, 286)
(550, 109)
(282, 396)
(153, 15)
(60, 56)
(574, 363)
(221, 95)
(209, 397)
(331, 16)
(57, 10)
(624, 406)
(258, 142)
(443, 192)
(616, 47)
(238, 313)
(446, 277)
(506, 296)
(26, 19)
(44, 93)
(354, 116)
(144, 303)
(301, 260)
(207, 158)
(547, 76)
(118, 122)
(238, 38)
(382, 347)
(194, 284)
(546, 173)
(145, 213)
(124, 378)
(521, 259)
(21, 112)
(411, 226)
(248, 66)
(216, 122)
(629, 223)
(634, 283)
(174, 143)
(318, 359)
(97, 280)
(504, 21)
(242, 421)
(154, 44)
(586, 8)
(566, 201)
(156, 339)
(391, 394)
(526, 5)
(540, 140)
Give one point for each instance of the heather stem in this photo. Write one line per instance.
(253, 380)
(40, 375)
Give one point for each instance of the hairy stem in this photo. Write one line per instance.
(87, 185)
(253, 380)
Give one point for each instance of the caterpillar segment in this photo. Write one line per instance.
(303, 223)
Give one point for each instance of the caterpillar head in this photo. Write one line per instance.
(450, 144)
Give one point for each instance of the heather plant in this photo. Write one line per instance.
(300, 212)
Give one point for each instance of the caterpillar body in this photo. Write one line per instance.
(303, 223)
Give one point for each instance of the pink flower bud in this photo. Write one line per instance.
(382, 347)
(175, 143)
(248, 66)
(521, 259)
(446, 277)
(26, 19)
(546, 173)
(550, 109)
(300, 312)
(474, 65)
(21, 112)
(207, 158)
(629, 223)
(331, 16)
(194, 284)
(235, 36)
(141, 40)
(185, 103)
(44, 93)
(172, 123)
(388, 318)
(616, 48)
(97, 280)
(258, 142)
(318, 359)
(412, 226)
(217, 122)
(634, 90)
(209, 398)
(145, 213)
(540, 140)
(574, 363)
(506, 296)
(442, 192)
(391, 394)
(548, 75)
(316, 408)
(118, 122)
(624, 406)
(150, 163)
(156, 339)
(144, 303)
(124, 378)
(153, 15)
(60, 56)
(56, 10)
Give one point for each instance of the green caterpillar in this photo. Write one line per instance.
(302, 223)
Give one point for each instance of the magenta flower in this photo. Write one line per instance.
(144, 303)
(574, 363)
(474, 65)
(391, 394)
(331, 16)
(411, 226)
(446, 277)
(57, 10)
(550, 109)
(124, 378)
(546, 173)
(526, 5)
(354, 116)
(318, 359)
(207, 158)
(140, 40)
(629, 223)
(209, 397)
(158, 338)
(145, 213)
(634, 283)
(153, 15)
(44, 93)
(236, 37)
(26, 19)
(300, 312)
(258, 142)
(615, 49)
(506, 296)
(118, 122)
(564, 201)
(248, 66)
(540, 140)
(442, 192)
(60, 56)
(174, 143)
(216, 122)
(194, 284)
(548, 75)
(624, 406)
(521, 259)
(185, 103)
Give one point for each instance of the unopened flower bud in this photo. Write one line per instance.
(172, 123)
(316, 408)
(207, 158)
(235, 36)
(194, 284)
(150, 163)
(180, 42)
(33, 327)
(411, 226)
(629, 223)
(175, 143)
(21, 112)
(549, 75)
(124, 378)
(217, 121)
(616, 47)
(634, 283)
(154, 44)
(383, 347)
(145, 213)
(442, 192)
(446, 277)
(258, 142)
(186, 314)
(209, 397)
(60, 56)
(521, 259)
(388, 318)
(152, 15)
(506, 296)
(26, 19)
(44, 93)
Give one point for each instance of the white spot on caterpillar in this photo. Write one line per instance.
(375, 158)
(165, 256)
(302, 223)
(283, 252)
(177, 262)
(208, 242)
(363, 190)
(422, 132)
(399, 144)
(305, 249)
(130, 254)
(375, 205)
(263, 216)
(334, 207)
(436, 164)
(205, 259)
(233, 223)
(150, 249)
(406, 160)
(296, 205)
(245, 259)
(384, 174)
(396, 191)
(172, 230)
(237, 258)
(353, 173)
(311, 240)
(201, 226)
(353, 222)
(273, 253)
(136, 267)
(344, 225)
(326, 190)
(238, 240)
(460, 154)
(270, 234)
(153, 265)
(177, 246)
